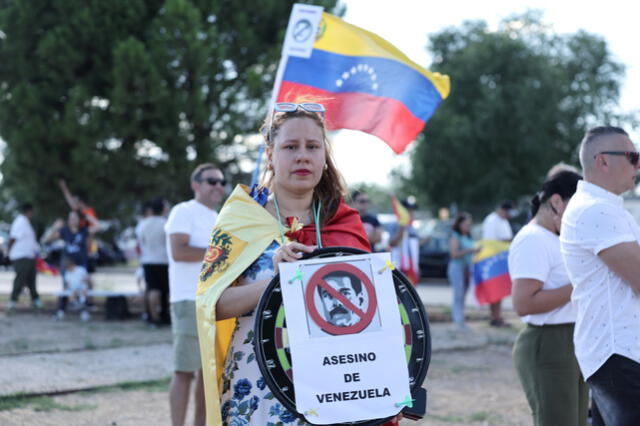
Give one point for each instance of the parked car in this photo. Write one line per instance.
(434, 254)
(434, 257)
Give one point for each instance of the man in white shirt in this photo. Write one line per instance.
(188, 231)
(22, 253)
(155, 262)
(496, 227)
(599, 241)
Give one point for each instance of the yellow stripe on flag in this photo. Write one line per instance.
(339, 37)
(490, 248)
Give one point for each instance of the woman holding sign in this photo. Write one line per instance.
(543, 352)
(297, 207)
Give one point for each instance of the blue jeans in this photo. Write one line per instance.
(615, 388)
(460, 285)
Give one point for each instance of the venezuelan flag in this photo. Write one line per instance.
(365, 83)
(45, 268)
(403, 215)
(491, 272)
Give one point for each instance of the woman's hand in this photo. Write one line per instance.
(290, 253)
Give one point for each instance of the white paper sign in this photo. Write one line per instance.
(302, 30)
(346, 338)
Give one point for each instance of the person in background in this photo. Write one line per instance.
(496, 227)
(75, 239)
(23, 247)
(543, 352)
(371, 224)
(561, 167)
(78, 282)
(140, 278)
(188, 230)
(404, 241)
(155, 261)
(88, 218)
(461, 251)
(599, 242)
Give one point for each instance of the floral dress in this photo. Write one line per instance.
(246, 400)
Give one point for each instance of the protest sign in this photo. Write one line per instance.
(346, 339)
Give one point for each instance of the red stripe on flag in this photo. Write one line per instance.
(493, 290)
(385, 118)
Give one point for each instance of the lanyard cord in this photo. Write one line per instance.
(316, 218)
(275, 202)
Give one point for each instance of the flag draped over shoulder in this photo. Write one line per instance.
(243, 230)
(365, 83)
(491, 281)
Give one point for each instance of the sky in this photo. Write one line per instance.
(408, 23)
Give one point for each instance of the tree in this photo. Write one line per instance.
(521, 99)
(124, 97)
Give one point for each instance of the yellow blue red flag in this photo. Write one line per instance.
(491, 280)
(365, 82)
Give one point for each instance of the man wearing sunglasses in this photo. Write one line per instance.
(188, 231)
(599, 241)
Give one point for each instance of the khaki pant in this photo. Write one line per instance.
(186, 349)
(546, 364)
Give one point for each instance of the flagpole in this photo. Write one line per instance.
(274, 97)
(296, 45)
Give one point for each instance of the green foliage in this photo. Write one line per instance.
(521, 99)
(123, 98)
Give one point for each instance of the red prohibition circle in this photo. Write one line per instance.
(317, 279)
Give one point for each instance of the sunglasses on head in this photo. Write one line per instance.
(632, 156)
(214, 181)
(292, 107)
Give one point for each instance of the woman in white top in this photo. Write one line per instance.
(543, 352)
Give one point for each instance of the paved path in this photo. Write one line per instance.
(70, 371)
(85, 369)
(431, 291)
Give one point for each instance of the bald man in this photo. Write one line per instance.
(599, 241)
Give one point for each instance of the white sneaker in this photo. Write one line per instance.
(84, 316)
(59, 316)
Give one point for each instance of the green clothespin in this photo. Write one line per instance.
(297, 276)
(407, 401)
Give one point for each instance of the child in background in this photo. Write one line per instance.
(78, 281)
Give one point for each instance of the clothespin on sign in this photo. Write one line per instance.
(297, 276)
(407, 401)
(388, 265)
(311, 412)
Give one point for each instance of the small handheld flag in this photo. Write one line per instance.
(491, 281)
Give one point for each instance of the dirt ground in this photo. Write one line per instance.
(465, 387)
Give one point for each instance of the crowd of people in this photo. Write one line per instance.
(574, 268)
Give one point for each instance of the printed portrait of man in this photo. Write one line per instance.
(350, 287)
